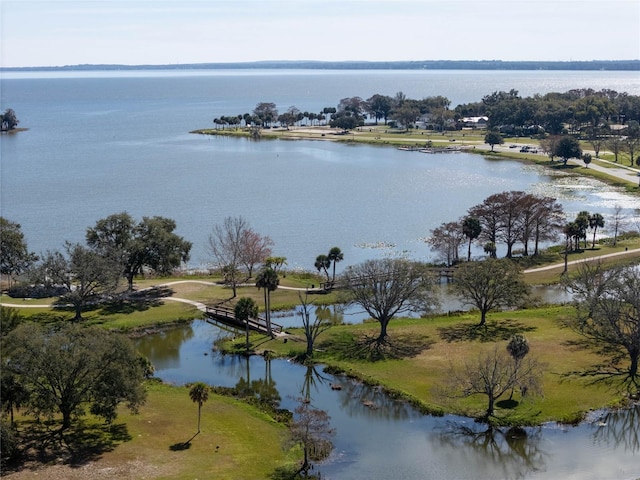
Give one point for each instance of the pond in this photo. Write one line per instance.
(380, 438)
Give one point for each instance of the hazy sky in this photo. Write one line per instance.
(68, 32)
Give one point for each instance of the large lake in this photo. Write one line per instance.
(104, 142)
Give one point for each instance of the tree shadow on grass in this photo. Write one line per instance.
(609, 372)
(83, 443)
(181, 446)
(348, 346)
(136, 301)
(489, 332)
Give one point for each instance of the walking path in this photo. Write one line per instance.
(582, 260)
(203, 308)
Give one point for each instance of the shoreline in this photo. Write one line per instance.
(414, 141)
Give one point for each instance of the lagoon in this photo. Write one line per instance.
(392, 439)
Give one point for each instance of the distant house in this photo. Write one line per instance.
(474, 122)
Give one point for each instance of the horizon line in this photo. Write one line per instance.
(415, 63)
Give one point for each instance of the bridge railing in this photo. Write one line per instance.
(227, 315)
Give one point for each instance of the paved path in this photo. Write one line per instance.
(582, 260)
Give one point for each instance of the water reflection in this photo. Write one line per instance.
(164, 346)
(619, 429)
(378, 437)
(507, 453)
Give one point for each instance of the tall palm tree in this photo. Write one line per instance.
(268, 279)
(335, 256)
(596, 220)
(245, 309)
(199, 394)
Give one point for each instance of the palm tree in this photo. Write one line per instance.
(471, 229)
(323, 263)
(199, 394)
(245, 309)
(596, 220)
(268, 279)
(335, 256)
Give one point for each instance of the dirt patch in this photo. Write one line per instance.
(101, 469)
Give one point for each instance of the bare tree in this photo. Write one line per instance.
(446, 240)
(494, 374)
(618, 218)
(234, 245)
(311, 429)
(389, 287)
(255, 249)
(312, 328)
(608, 314)
(225, 243)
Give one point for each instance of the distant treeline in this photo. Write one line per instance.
(363, 65)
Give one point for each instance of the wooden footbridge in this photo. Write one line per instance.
(225, 316)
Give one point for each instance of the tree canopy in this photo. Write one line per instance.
(150, 243)
(69, 368)
(15, 257)
(489, 284)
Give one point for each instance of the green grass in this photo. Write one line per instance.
(236, 440)
(449, 341)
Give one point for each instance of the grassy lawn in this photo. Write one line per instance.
(236, 441)
(442, 342)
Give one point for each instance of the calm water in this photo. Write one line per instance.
(394, 441)
(101, 143)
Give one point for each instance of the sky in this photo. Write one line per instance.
(154, 32)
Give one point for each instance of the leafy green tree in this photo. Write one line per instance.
(199, 393)
(245, 309)
(566, 148)
(14, 394)
(267, 279)
(15, 257)
(68, 368)
(85, 275)
(151, 243)
(322, 264)
(471, 228)
(8, 120)
(335, 255)
(489, 285)
(387, 287)
(275, 262)
(586, 158)
(493, 138)
(266, 113)
(608, 314)
(379, 106)
(406, 114)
